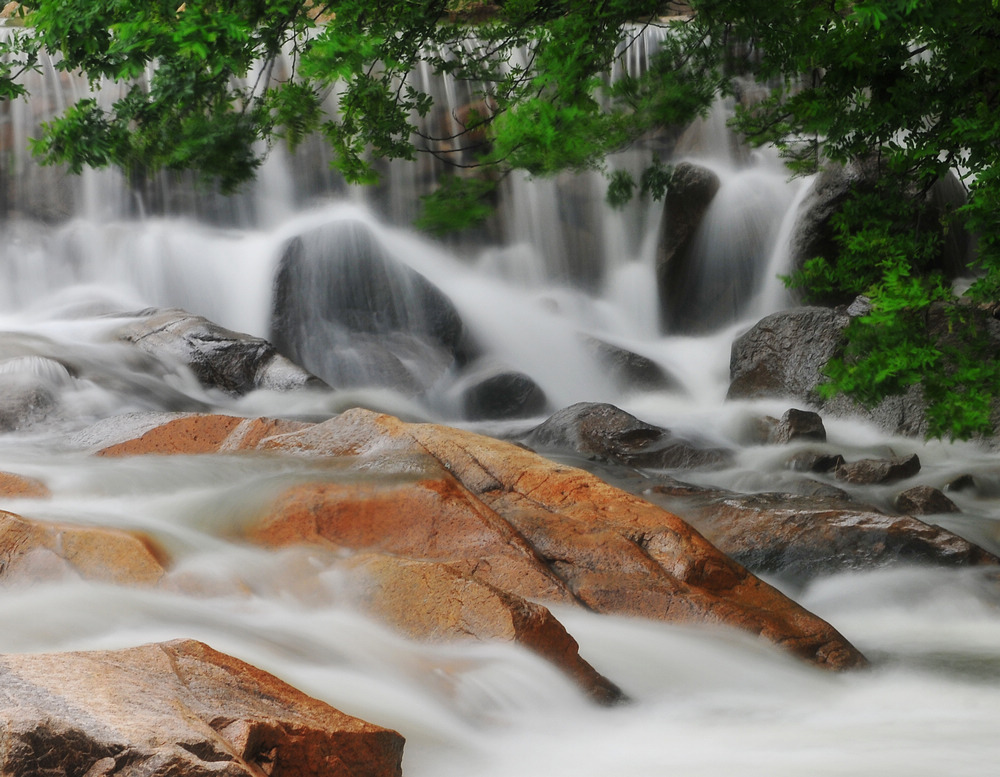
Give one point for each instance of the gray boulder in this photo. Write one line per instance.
(337, 289)
(220, 358)
(782, 356)
(607, 433)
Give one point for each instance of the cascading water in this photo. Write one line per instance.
(75, 259)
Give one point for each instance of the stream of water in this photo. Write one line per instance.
(707, 702)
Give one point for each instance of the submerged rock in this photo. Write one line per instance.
(35, 551)
(497, 393)
(435, 601)
(21, 487)
(631, 371)
(175, 709)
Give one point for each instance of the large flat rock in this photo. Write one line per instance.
(175, 709)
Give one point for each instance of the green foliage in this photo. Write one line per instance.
(205, 91)
(458, 203)
(905, 88)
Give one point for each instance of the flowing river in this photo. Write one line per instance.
(77, 257)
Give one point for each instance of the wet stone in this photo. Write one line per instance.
(873, 471)
(813, 461)
(924, 500)
(799, 425)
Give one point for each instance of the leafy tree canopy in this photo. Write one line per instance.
(910, 88)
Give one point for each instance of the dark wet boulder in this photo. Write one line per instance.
(800, 537)
(962, 483)
(220, 358)
(924, 500)
(692, 189)
(782, 354)
(796, 425)
(339, 289)
(607, 433)
(814, 234)
(496, 393)
(871, 471)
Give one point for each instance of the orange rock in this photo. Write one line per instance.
(20, 486)
(509, 518)
(430, 518)
(433, 601)
(202, 434)
(175, 708)
(32, 551)
(616, 552)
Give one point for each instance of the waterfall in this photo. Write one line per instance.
(560, 271)
(558, 281)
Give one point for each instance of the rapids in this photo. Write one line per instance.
(77, 255)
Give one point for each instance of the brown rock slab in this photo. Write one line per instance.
(434, 601)
(924, 500)
(175, 709)
(199, 433)
(801, 537)
(431, 518)
(615, 552)
(33, 551)
(507, 518)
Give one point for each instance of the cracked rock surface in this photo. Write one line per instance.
(175, 708)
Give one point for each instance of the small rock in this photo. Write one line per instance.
(924, 500)
(812, 461)
(873, 471)
(608, 433)
(962, 483)
(629, 370)
(799, 425)
(503, 394)
(34, 551)
(21, 487)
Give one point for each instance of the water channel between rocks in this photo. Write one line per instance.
(77, 261)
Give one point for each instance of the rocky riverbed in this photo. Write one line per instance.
(440, 534)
